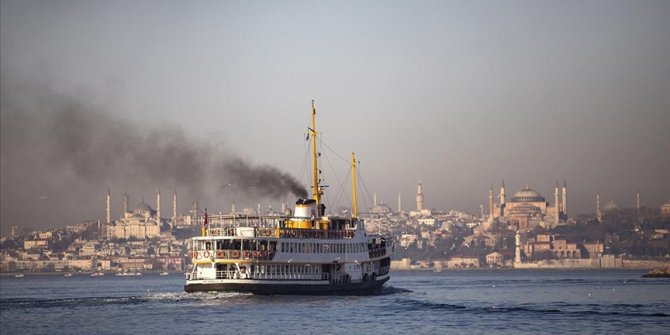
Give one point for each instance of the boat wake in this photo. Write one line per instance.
(168, 297)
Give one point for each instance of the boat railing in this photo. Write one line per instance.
(340, 279)
(240, 220)
(286, 276)
(232, 254)
(284, 232)
(377, 252)
(226, 274)
(316, 233)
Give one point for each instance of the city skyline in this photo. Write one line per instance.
(458, 95)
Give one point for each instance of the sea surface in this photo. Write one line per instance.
(448, 302)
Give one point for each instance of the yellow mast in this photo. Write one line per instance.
(353, 184)
(317, 192)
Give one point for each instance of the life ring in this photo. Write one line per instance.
(219, 253)
(206, 254)
(235, 254)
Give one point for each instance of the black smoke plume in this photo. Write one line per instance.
(59, 154)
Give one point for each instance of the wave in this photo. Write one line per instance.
(389, 290)
(632, 310)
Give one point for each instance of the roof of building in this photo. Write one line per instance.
(611, 206)
(527, 195)
(143, 207)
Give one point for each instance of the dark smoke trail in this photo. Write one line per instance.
(66, 151)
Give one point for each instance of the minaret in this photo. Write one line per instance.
(598, 213)
(491, 203)
(174, 205)
(374, 199)
(399, 202)
(419, 197)
(637, 202)
(125, 203)
(481, 209)
(502, 199)
(564, 203)
(158, 205)
(517, 251)
(557, 204)
(108, 209)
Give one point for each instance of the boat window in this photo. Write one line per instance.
(273, 245)
(235, 244)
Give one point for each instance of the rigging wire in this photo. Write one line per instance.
(302, 176)
(365, 187)
(341, 192)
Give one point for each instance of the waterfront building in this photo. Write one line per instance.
(548, 243)
(495, 259)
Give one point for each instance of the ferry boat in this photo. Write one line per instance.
(307, 252)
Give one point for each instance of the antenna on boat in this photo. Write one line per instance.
(316, 191)
(353, 185)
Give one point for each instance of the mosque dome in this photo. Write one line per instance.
(381, 208)
(142, 208)
(527, 195)
(611, 207)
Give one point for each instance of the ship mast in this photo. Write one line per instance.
(316, 191)
(353, 185)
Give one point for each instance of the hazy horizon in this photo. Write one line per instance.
(213, 98)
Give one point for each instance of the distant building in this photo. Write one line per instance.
(35, 244)
(463, 262)
(495, 258)
(595, 249)
(548, 244)
(528, 208)
(141, 223)
(665, 209)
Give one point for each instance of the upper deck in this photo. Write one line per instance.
(249, 226)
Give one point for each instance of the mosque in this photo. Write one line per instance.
(528, 209)
(142, 222)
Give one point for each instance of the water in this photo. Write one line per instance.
(458, 302)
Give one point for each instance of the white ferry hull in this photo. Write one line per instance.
(271, 287)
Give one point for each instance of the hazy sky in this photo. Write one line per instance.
(458, 94)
